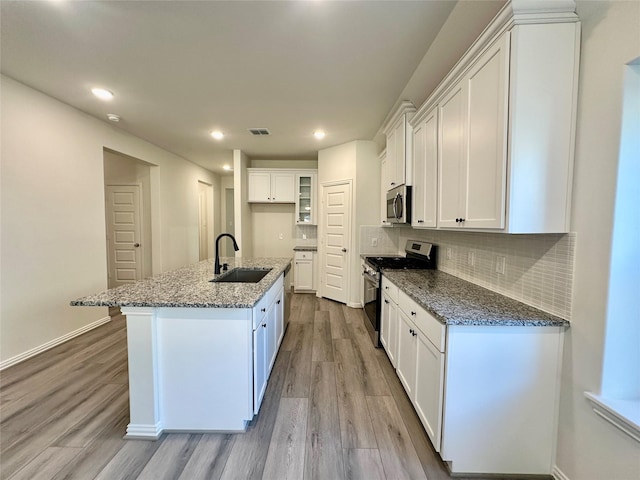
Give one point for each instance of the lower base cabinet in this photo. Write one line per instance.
(304, 272)
(489, 402)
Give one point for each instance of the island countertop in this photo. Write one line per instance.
(454, 301)
(190, 287)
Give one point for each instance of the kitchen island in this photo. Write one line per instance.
(199, 352)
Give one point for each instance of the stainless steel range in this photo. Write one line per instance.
(419, 255)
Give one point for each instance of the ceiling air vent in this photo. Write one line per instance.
(259, 131)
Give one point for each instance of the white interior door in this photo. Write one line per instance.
(336, 223)
(124, 240)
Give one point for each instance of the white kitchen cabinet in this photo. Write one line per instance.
(472, 160)
(389, 320)
(271, 186)
(425, 171)
(268, 317)
(303, 272)
(306, 204)
(407, 354)
(399, 137)
(506, 127)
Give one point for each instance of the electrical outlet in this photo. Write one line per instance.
(304, 236)
(449, 253)
(501, 262)
(374, 242)
(471, 258)
(281, 236)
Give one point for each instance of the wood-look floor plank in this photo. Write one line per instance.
(323, 458)
(249, 453)
(429, 458)
(336, 317)
(170, 458)
(209, 457)
(48, 463)
(322, 344)
(398, 455)
(373, 380)
(87, 429)
(308, 308)
(33, 441)
(299, 373)
(355, 422)
(285, 459)
(363, 464)
(129, 461)
(93, 458)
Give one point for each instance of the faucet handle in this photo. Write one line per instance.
(225, 266)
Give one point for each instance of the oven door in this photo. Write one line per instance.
(372, 306)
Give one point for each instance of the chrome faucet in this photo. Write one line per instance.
(216, 269)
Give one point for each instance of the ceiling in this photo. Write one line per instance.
(180, 69)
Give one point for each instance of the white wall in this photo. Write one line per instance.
(242, 211)
(53, 214)
(588, 447)
(357, 161)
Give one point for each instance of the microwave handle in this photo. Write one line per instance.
(395, 200)
(399, 205)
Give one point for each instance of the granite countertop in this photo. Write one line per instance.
(305, 248)
(189, 286)
(454, 301)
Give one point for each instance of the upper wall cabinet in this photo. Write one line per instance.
(505, 121)
(306, 186)
(271, 185)
(399, 138)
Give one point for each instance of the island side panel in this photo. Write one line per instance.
(144, 408)
(205, 365)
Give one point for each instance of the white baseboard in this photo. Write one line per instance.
(354, 304)
(53, 343)
(143, 432)
(558, 474)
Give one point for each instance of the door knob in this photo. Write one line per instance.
(136, 245)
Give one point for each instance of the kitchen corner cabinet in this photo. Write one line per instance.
(271, 186)
(399, 138)
(304, 272)
(306, 187)
(425, 171)
(506, 129)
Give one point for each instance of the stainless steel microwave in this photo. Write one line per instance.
(399, 205)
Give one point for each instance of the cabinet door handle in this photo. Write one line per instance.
(413, 332)
(263, 310)
(413, 313)
(278, 302)
(386, 301)
(386, 287)
(264, 325)
(420, 221)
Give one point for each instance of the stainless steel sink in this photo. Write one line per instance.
(243, 275)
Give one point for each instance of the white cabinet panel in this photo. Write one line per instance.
(306, 195)
(259, 187)
(303, 271)
(429, 388)
(425, 172)
(389, 328)
(271, 186)
(407, 354)
(283, 187)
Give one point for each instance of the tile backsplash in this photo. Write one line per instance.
(308, 231)
(538, 269)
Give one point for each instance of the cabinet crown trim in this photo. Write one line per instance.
(515, 12)
(404, 107)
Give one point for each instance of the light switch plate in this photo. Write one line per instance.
(374, 242)
(471, 258)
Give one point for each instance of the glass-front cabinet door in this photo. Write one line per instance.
(305, 202)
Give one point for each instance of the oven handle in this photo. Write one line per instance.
(371, 278)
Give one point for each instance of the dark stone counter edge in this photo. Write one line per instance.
(556, 322)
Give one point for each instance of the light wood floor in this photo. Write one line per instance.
(334, 409)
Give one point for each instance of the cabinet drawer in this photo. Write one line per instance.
(304, 256)
(390, 289)
(259, 310)
(426, 323)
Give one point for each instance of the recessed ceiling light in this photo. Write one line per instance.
(102, 93)
(217, 134)
(227, 168)
(113, 117)
(319, 134)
